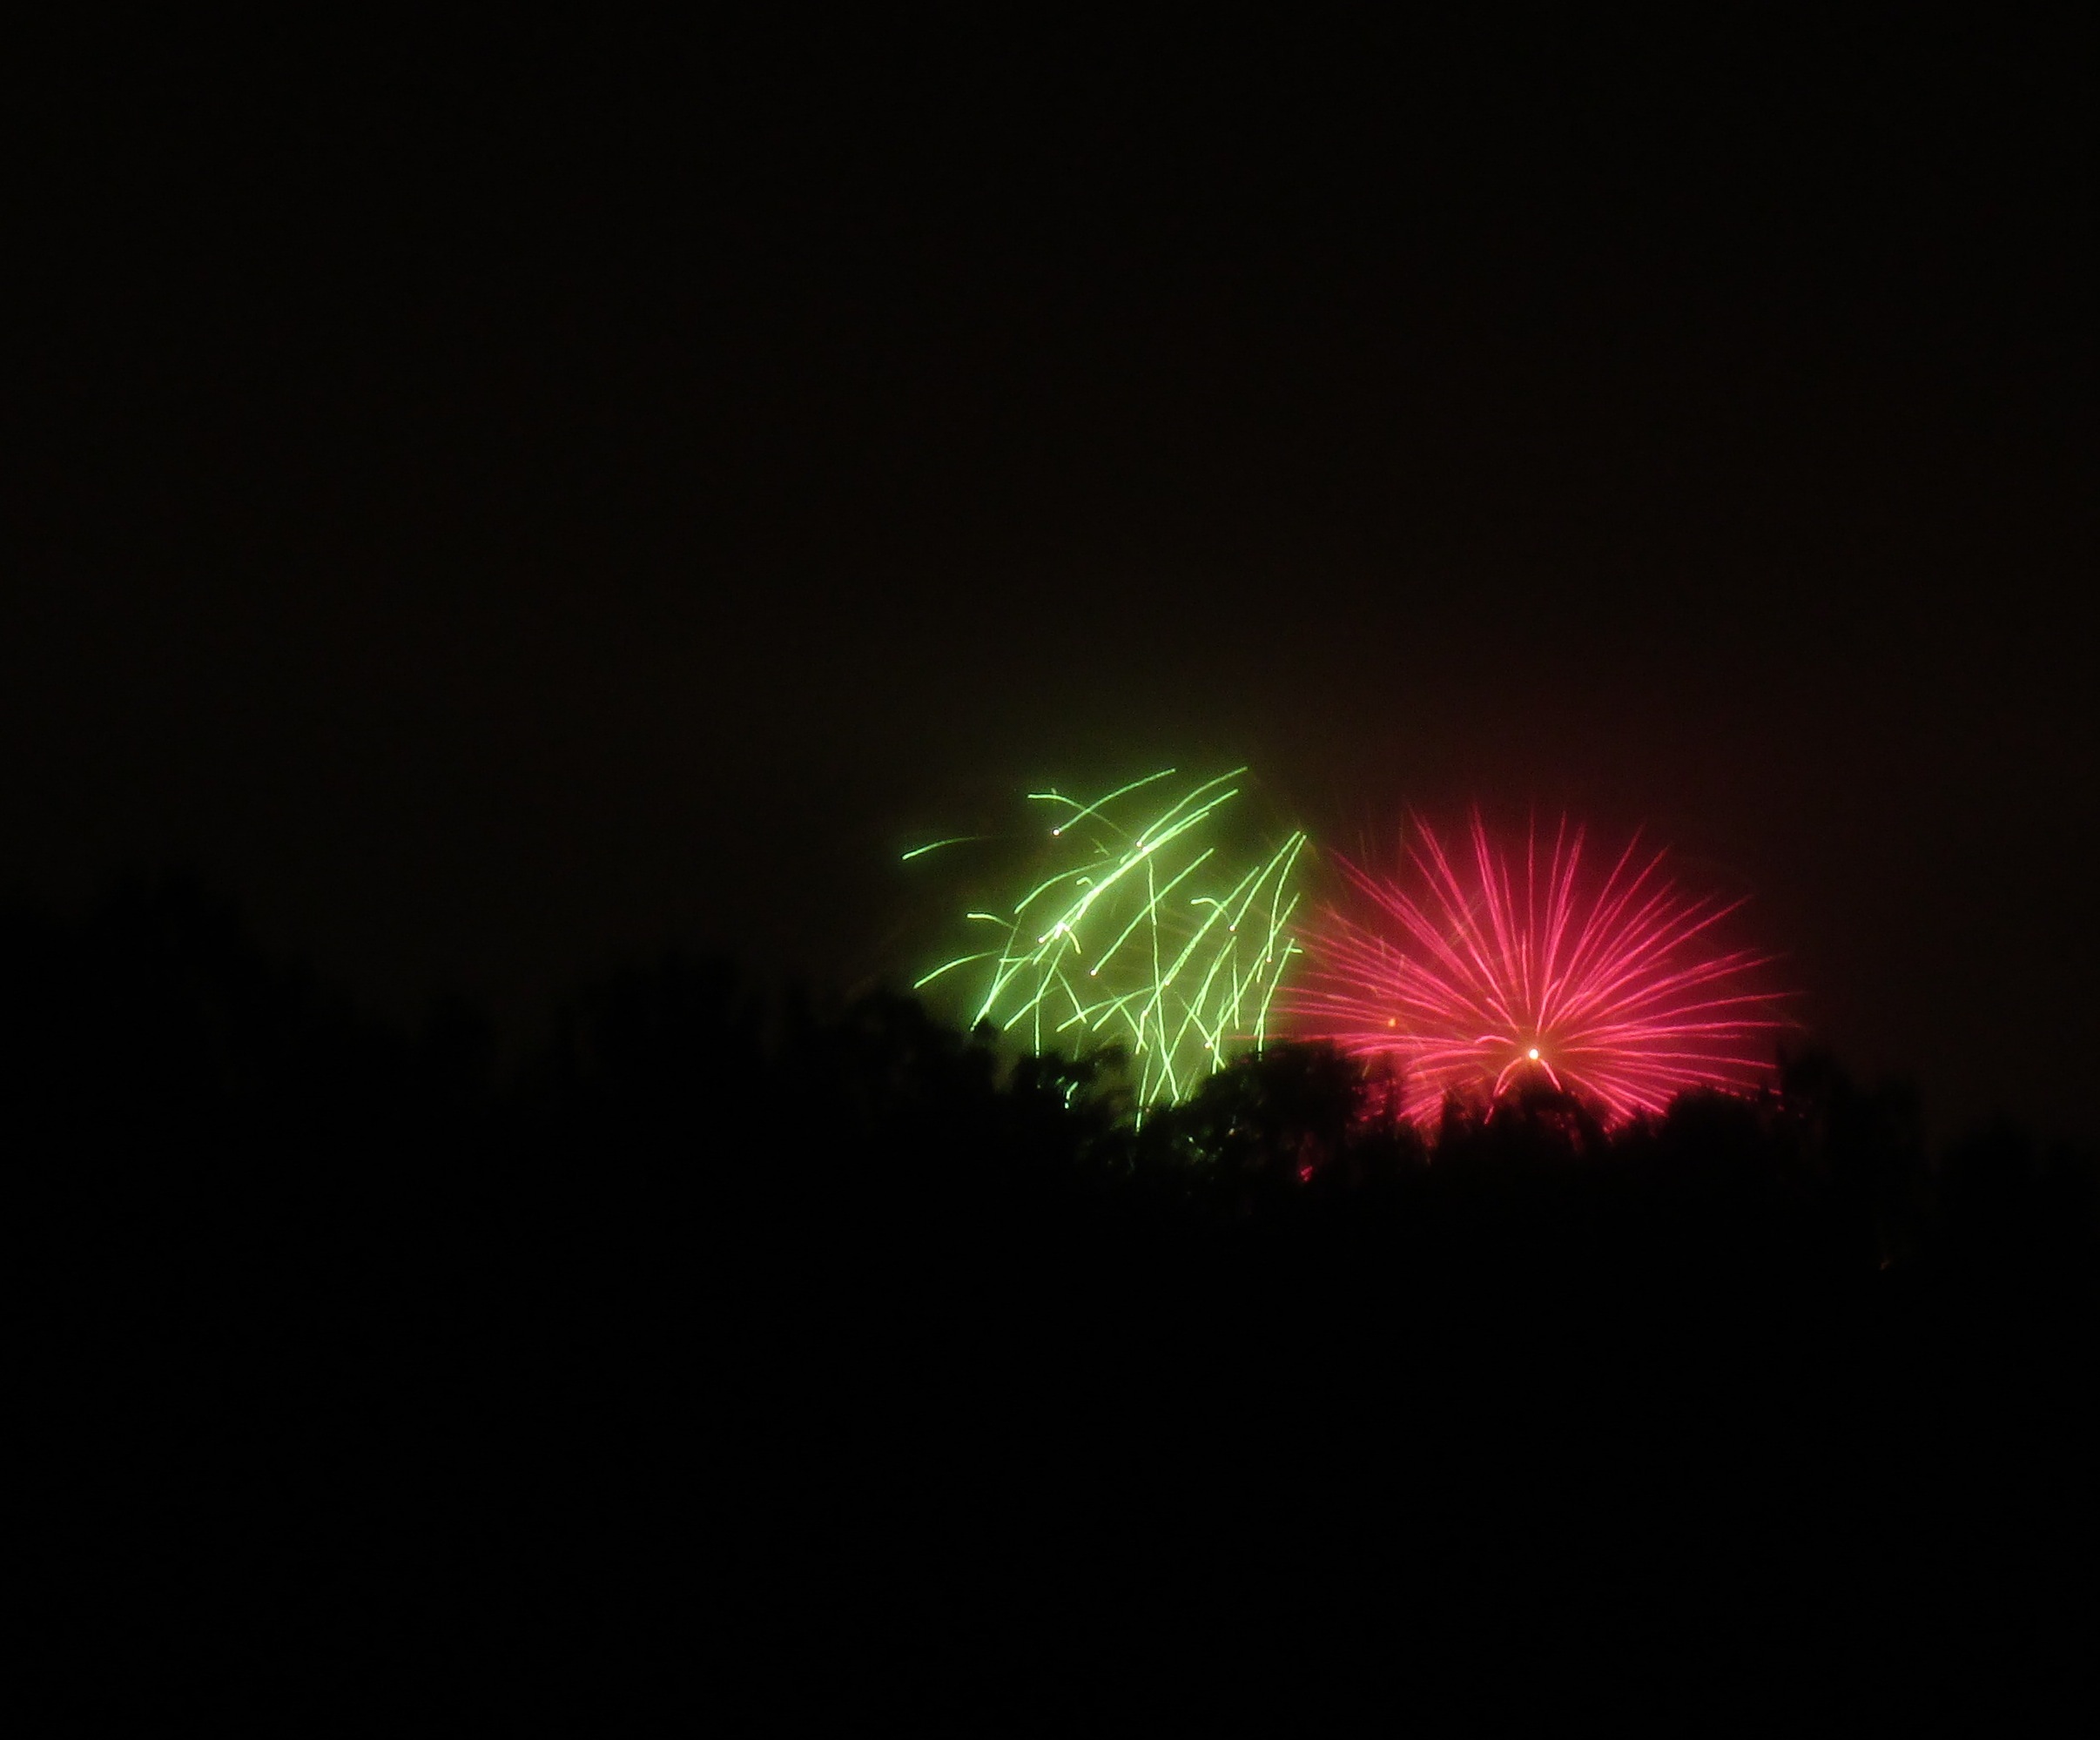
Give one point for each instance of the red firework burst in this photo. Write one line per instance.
(1473, 976)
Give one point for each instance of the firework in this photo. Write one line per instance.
(1475, 972)
(1140, 926)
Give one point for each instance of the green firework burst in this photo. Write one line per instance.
(1141, 925)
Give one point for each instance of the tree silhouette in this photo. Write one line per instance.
(807, 1301)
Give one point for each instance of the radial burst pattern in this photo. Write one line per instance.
(1476, 969)
(1138, 923)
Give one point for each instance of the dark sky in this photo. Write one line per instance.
(500, 503)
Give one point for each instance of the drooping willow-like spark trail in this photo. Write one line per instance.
(1139, 924)
(1472, 971)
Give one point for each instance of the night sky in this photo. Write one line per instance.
(500, 505)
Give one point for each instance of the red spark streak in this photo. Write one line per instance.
(1617, 988)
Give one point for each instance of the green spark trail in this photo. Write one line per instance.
(1140, 924)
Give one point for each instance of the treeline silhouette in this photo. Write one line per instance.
(828, 1341)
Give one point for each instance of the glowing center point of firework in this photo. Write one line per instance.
(1532, 1054)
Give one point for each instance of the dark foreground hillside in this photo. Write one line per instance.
(765, 1365)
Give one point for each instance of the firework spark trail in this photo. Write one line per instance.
(1466, 982)
(1183, 951)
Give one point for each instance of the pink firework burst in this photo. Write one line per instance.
(1474, 973)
